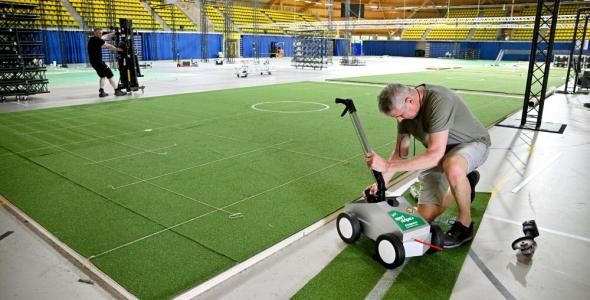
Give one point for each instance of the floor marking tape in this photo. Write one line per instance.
(513, 170)
(539, 171)
(491, 277)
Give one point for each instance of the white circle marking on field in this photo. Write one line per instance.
(322, 108)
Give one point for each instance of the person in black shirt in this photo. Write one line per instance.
(95, 45)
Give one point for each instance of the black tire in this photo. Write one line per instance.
(390, 251)
(436, 239)
(349, 227)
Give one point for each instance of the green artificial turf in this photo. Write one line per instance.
(354, 272)
(164, 174)
(73, 75)
(503, 79)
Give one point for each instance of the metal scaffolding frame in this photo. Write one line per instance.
(538, 72)
(204, 31)
(575, 62)
(229, 44)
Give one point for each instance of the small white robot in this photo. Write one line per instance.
(398, 230)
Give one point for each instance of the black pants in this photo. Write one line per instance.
(102, 70)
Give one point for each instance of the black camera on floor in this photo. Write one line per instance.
(526, 244)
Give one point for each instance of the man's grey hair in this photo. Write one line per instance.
(393, 96)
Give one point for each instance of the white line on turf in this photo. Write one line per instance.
(539, 171)
(565, 234)
(150, 183)
(197, 166)
(385, 283)
(282, 149)
(125, 134)
(55, 129)
(230, 205)
(198, 290)
(323, 107)
(458, 91)
(63, 119)
(133, 154)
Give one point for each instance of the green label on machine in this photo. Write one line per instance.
(405, 221)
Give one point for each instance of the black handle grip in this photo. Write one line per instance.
(349, 105)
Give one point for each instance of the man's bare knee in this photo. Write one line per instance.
(429, 211)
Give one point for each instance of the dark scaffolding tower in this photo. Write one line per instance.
(111, 21)
(538, 73)
(154, 40)
(575, 59)
(347, 33)
(88, 21)
(175, 51)
(204, 32)
(331, 34)
(255, 27)
(228, 30)
(61, 33)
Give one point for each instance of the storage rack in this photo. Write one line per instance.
(310, 49)
(22, 67)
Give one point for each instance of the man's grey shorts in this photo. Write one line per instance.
(434, 181)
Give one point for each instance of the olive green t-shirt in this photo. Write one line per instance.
(442, 109)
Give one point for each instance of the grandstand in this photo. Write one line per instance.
(95, 15)
(172, 15)
(489, 33)
(53, 10)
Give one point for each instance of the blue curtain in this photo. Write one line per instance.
(159, 46)
(340, 47)
(357, 49)
(74, 47)
(263, 45)
(393, 48)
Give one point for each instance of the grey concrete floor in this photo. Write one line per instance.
(556, 197)
(31, 269)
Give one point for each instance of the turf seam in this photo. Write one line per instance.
(120, 205)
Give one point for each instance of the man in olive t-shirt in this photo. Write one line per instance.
(457, 143)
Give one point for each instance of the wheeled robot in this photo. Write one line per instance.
(398, 230)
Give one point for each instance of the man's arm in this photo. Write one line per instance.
(437, 144)
(400, 152)
(107, 36)
(111, 47)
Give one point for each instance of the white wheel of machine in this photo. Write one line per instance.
(345, 227)
(390, 250)
(386, 251)
(349, 227)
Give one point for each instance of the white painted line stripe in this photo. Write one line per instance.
(198, 166)
(205, 286)
(385, 283)
(556, 232)
(54, 129)
(539, 171)
(152, 151)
